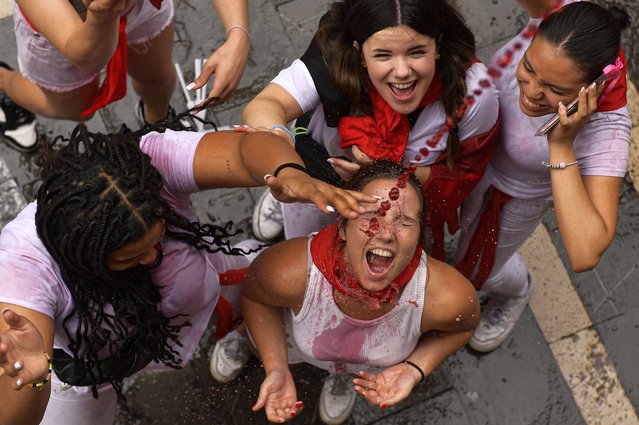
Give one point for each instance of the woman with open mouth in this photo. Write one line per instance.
(577, 168)
(360, 299)
(383, 79)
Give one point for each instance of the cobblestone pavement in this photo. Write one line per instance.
(572, 357)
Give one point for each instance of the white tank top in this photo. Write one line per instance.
(322, 335)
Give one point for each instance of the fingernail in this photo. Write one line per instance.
(298, 404)
(330, 208)
(592, 86)
(378, 197)
(330, 161)
(383, 406)
(266, 176)
(5, 309)
(561, 105)
(292, 414)
(190, 86)
(583, 89)
(19, 382)
(237, 126)
(17, 366)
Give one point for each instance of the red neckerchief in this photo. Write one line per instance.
(327, 254)
(614, 94)
(384, 133)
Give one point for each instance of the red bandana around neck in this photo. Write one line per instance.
(327, 254)
(384, 133)
(614, 94)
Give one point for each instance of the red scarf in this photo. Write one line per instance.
(614, 94)
(384, 133)
(113, 87)
(327, 250)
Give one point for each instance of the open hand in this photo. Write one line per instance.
(22, 351)
(387, 388)
(278, 397)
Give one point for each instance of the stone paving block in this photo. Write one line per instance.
(11, 199)
(519, 383)
(443, 409)
(436, 383)
(595, 385)
(492, 20)
(621, 338)
(609, 289)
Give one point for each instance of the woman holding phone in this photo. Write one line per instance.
(577, 168)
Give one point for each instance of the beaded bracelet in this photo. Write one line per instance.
(558, 165)
(419, 369)
(284, 129)
(289, 165)
(240, 27)
(46, 379)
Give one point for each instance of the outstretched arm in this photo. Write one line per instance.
(449, 318)
(276, 280)
(25, 335)
(228, 61)
(238, 159)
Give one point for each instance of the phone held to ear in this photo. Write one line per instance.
(609, 73)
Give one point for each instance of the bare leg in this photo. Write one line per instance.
(153, 74)
(66, 105)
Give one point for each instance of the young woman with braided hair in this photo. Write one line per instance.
(108, 272)
(381, 79)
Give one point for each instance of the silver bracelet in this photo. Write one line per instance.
(559, 165)
(238, 26)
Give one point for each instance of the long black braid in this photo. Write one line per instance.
(100, 192)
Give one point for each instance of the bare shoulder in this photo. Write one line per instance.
(277, 277)
(450, 299)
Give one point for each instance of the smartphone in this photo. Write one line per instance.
(610, 73)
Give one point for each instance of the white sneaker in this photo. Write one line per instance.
(229, 356)
(498, 320)
(17, 125)
(337, 399)
(268, 222)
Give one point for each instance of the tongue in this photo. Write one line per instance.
(377, 263)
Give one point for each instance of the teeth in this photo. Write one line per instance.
(381, 252)
(402, 86)
(530, 102)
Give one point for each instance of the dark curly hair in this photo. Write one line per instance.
(98, 193)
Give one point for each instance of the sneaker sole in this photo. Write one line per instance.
(255, 222)
(9, 137)
(483, 347)
(213, 369)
